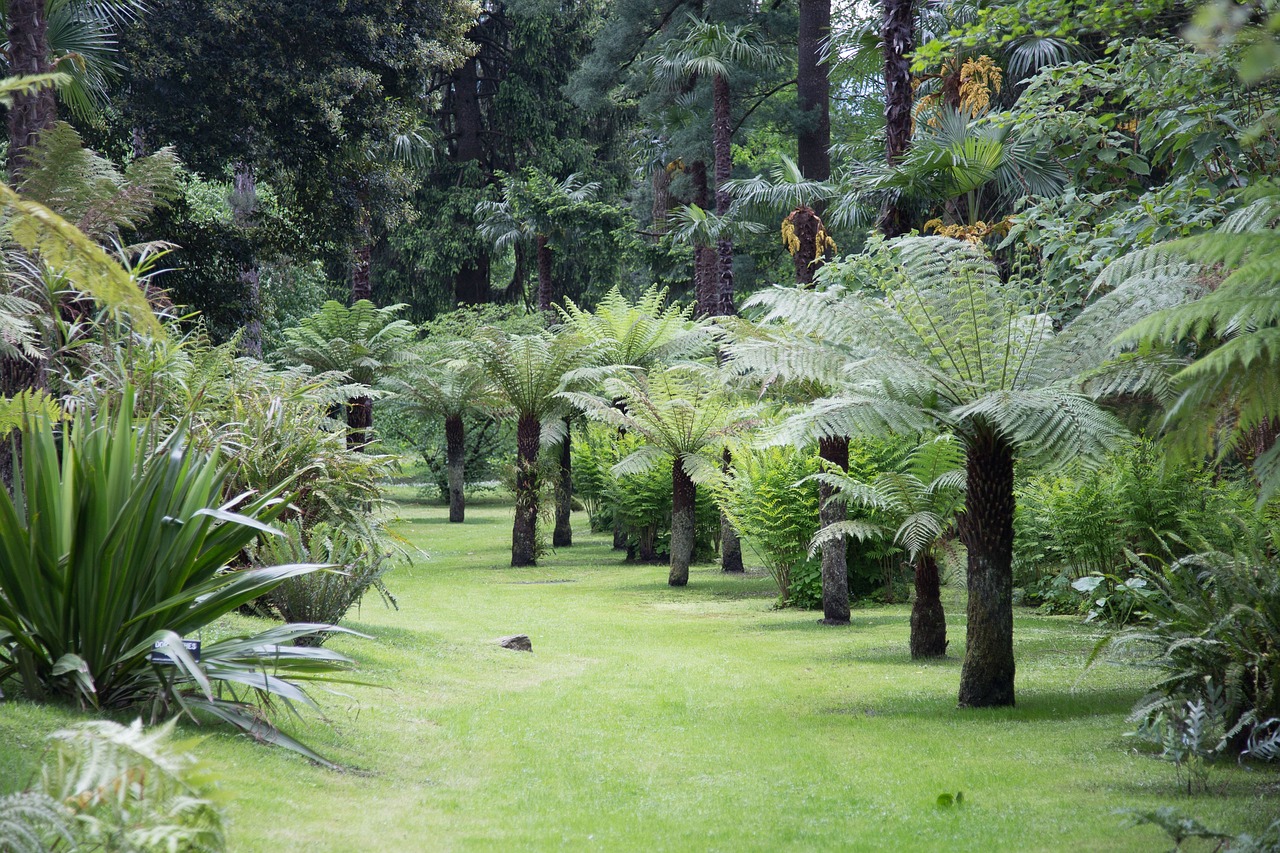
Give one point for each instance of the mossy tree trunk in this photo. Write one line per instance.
(562, 536)
(835, 563)
(928, 622)
(683, 523)
(455, 443)
(524, 533)
(986, 529)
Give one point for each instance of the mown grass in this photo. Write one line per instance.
(649, 718)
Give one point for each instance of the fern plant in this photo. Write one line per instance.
(979, 357)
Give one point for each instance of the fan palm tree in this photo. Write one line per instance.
(683, 413)
(705, 229)
(529, 211)
(718, 51)
(450, 388)
(527, 373)
(915, 505)
(979, 357)
(363, 342)
(78, 38)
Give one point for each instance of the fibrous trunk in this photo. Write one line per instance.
(562, 536)
(361, 275)
(730, 542)
(28, 54)
(835, 564)
(897, 36)
(808, 226)
(813, 90)
(928, 622)
(986, 529)
(359, 422)
(524, 533)
(721, 132)
(706, 283)
(683, 497)
(544, 275)
(455, 460)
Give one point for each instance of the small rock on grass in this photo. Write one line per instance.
(517, 643)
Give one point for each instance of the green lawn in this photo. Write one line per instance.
(649, 718)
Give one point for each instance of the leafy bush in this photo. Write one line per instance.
(1213, 629)
(116, 539)
(1079, 522)
(105, 786)
(322, 597)
(777, 513)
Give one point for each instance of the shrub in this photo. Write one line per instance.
(322, 597)
(776, 513)
(116, 539)
(105, 786)
(1213, 629)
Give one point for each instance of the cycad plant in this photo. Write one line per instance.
(916, 506)
(363, 342)
(979, 357)
(116, 540)
(527, 372)
(685, 416)
(452, 389)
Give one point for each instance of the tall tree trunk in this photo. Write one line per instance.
(730, 542)
(722, 128)
(544, 275)
(471, 281)
(683, 523)
(898, 34)
(661, 184)
(835, 563)
(455, 455)
(562, 536)
(244, 206)
(361, 279)
(706, 284)
(524, 533)
(928, 622)
(986, 529)
(359, 422)
(32, 113)
(468, 120)
(813, 91)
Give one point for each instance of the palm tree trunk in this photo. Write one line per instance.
(928, 622)
(544, 275)
(807, 224)
(986, 529)
(661, 184)
(835, 563)
(455, 454)
(28, 54)
(722, 128)
(524, 533)
(359, 421)
(897, 35)
(813, 91)
(244, 203)
(730, 542)
(562, 536)
(706, 284)
(683, 499)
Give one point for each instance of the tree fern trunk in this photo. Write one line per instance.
(562, 536)
(986, 529)
(455, 442)
(928, 622)
(683, 523)
(524, 533)
(31, 113)
(359, 421)
(835, 563)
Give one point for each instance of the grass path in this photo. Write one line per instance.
(699, 719)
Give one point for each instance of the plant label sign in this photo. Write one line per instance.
(158, 656)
